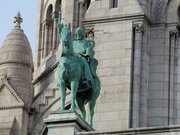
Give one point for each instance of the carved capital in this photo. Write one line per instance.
(46, 23)
(173, 34)
(139, 27)
(55, 15)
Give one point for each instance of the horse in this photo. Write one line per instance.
(69, 76)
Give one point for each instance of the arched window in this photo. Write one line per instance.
(49, 13)
(46, 42)
(48, 30)
(113, 3)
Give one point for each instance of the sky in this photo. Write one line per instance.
(28, 10)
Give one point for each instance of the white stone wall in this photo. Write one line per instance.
(20, 117)
(163, 77)
(101, 8)
(164, 130)
(177, 83)
(158, 83)
(45, 76)
(146, 6)
(19, 78)
(114, 40)
(164, 73)
(113, 51)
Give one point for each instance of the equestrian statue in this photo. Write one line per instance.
(77, 72)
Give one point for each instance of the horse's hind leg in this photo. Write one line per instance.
(62, 89)
(81, 107)
(91, 109)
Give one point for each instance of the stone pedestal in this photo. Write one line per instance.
(67, 123)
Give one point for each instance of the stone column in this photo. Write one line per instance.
(177, 81)
(42, 40)
(171, 77)
(136, 82)
(55, 21)
(68, 12)
(81, 11)
(46, 39)
(67, 123)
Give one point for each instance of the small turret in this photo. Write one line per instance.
(16, 61)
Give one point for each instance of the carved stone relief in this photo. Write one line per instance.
(157, 10)
(172, 11)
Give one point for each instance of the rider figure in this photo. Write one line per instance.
(84, 49)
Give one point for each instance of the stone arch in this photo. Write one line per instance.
(57, 6)
(158, 11)
(86, 7)
(46, 7)
(49, 26)
(49, 12)
(172, 11)
(165, 11)
(49, 30)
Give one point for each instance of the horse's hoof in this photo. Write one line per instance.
(72, 109)
(61, 110)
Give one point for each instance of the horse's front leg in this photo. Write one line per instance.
(74, 88)
(62, 89)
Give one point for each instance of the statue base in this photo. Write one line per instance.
(66, 123)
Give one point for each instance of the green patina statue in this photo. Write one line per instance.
(77, 71)
(84, 49)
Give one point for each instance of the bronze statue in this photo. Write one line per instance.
(77, 71)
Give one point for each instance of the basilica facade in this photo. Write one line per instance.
(138, 49)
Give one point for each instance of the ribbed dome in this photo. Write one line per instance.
(16, 47)
(16, 61)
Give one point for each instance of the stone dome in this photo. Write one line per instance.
(16, 61)
(16, 47)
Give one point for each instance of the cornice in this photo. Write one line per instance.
(117, 18)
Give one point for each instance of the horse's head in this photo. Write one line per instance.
(66, 39)
(66, 34)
